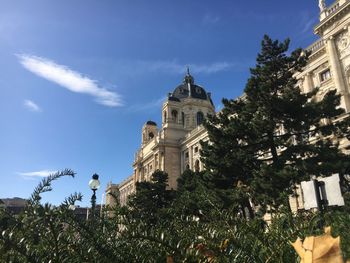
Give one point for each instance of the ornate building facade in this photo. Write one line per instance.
(174, 145)
(328, 67)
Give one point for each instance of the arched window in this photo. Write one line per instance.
(200, 118)
(174, 115)
(196, 166)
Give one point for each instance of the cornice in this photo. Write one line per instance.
(343, 10)
(193, 134)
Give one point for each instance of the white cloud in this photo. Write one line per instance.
(211, 68)
(307, 21)
(31, 105)
(147, 106)
(209, 19)
(69, 79)
(42, 173)
(174, 67)
(308, 25)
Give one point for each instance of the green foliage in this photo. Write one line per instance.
(152, 199)
(275, 136)
(190, 228)
(194, 198)
(210, 217)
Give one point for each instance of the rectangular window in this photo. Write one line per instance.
(196, 149)
(186, 155)
(325, 75)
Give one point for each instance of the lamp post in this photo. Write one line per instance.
(94, 184)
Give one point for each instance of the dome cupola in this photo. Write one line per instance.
(188, 89)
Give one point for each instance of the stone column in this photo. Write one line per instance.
(337, 73)
(308, 83)
(182, 162)
(141, 174)
(162, 161)
(190, 156)
(135, 176)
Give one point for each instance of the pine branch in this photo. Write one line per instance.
(72, 199)
(45, 185)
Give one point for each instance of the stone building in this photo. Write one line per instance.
(174, 145)
(329, 64)
(13, 205)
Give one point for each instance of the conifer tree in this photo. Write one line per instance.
(193, 196)
(275, 136)
(152, 199)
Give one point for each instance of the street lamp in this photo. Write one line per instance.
(94, 185)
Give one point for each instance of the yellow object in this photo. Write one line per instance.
(319, 249)
(224, 244)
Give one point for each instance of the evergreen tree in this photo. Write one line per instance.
(275, 136)
(229, 165)
(152, 199)
(193, 196)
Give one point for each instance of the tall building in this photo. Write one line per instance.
(329, 64)
(174, 145)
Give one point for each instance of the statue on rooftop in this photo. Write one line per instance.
(321, 4)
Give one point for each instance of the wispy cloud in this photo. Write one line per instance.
(155, 104)
(42, 173)
(31, 105)
(172, 66)
(210, 19)
(307, 21)
(69, 79)
(308, 26)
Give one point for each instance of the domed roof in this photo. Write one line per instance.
(173, 98)
(151, 123)
(189, 90)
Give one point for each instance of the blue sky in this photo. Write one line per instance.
(79, 78)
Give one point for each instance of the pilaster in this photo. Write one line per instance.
(337, 73)
(190, 155)
(308, 83)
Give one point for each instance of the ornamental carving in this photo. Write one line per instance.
(334, 25)
(301, 82)
(347, 73)
(343, 43)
